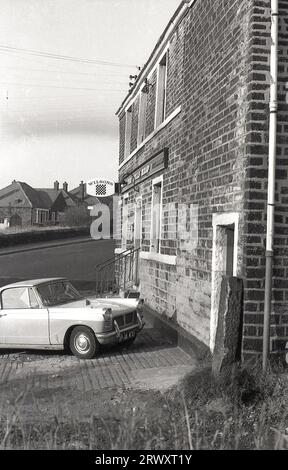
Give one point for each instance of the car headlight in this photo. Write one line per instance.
(108, 321)
(140, 307)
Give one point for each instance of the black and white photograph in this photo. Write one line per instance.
(143, 229)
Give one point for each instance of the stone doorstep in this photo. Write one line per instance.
(178, 336)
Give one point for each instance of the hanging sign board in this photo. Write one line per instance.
(100, 187)
(158, 162)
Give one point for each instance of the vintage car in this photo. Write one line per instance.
(52, 314)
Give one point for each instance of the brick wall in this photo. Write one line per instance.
(256, 184)
(24, 212)
(218, 71)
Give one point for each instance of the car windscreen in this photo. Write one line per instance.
(58, 293)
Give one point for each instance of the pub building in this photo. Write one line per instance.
(193, 159)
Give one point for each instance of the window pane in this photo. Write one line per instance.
(16, 298)
(33, 299)
(161, 92)
(57, 293)
(156, 217)
(128, 132)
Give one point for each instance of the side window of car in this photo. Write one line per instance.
(17, 297)
(33, 302)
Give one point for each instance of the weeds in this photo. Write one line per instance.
(248, 412)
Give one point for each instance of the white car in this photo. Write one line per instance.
(52, 314)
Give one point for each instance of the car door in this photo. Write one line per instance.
(22, 320)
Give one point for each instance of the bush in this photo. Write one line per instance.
(76, 217)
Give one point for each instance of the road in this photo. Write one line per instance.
(74, 261)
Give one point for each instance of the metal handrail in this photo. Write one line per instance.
(118, 272)
(112, 260)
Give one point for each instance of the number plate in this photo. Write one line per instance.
(127, 335)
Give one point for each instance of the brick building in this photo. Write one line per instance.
(22, 205)
(194, 131)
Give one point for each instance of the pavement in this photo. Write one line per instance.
(21, 248)
(152, 362)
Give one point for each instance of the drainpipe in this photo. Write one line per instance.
(271, 179)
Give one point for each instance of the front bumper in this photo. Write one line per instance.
(117, 336)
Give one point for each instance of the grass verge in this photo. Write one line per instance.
(246, 412)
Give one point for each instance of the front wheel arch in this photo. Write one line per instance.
(69, 332)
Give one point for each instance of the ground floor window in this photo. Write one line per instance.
(157, 188)
(42, 216)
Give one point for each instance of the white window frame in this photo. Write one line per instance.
(156, 182)
(142, 116)
(128, 131)
(138, 204)
(161, 89)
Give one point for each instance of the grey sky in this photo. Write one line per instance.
(59, 119)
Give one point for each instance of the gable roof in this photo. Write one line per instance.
(88, 199)
(46, 198)
(13, 195)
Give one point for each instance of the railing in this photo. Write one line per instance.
(118, 273)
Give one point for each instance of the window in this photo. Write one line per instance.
(19, 297)
(42, 216)
(156, 215)
(142, 117)
(138, 223)
(58, 293)
(128, 132)
(161, 91)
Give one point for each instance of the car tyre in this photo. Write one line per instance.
(83, 343)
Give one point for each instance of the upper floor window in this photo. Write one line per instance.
(128, 132)
(161, 91)
(142, 116)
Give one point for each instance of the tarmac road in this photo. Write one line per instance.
(76, 261)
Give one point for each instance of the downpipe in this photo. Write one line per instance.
(271, 179)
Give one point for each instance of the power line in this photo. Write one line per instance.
(75, 80)
(93, 74)
(27, 85)
(50, 55)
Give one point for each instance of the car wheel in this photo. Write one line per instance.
(83, 343)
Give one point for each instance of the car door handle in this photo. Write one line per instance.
(3, 315)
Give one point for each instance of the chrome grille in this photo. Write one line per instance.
(126, 320)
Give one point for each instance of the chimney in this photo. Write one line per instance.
(65, 187)
(56, 185)
(82, 190)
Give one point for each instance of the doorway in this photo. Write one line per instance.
(224, 261)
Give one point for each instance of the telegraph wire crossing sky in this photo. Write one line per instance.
(63, 74)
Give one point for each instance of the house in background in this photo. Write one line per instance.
(22, 205)
(80, 194)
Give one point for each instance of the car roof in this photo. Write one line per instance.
(33, 282)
